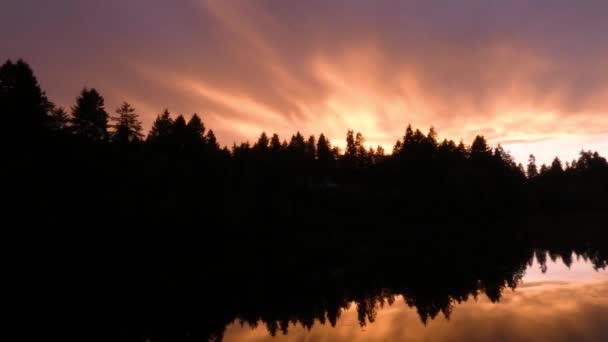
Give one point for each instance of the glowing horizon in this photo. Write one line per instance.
(532, 77)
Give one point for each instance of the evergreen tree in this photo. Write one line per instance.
(23, 104)
(162, 128)
(89, 118)
(351, 147)
(480, 147)
(211, 141)
(431, 138)
(262, 145)
(59, 120)
(556, 167)
(461, 149)
(324, 153)
(275, 144)
(408, 136)
(195, 131)
(127, 127)
(297, 146)
(310, 148)
(360, 147)
(397, 148)
(532, 169)
(380, 152)
(180, 133)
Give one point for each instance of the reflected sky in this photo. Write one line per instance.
(561, 304)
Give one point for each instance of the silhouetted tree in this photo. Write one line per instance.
(89, 118)
(59, 120)
(355, 155)
(556, 167)
(262, 145)
(408, 137)
(297, 147)
(196, 130)
(351, 146)
(275, 144)
(180, 134)
(162, 129)
(310, 148)
(211, 141)
(397, 148)
(127, 127)
(431, 138)
(480, 147)
(23, 105)
(360, 147)
(532, 169)
(324, 153)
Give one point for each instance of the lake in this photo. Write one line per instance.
(562, 304)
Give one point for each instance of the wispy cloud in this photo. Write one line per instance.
(517, 72)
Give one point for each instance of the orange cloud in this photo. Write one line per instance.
(520, 73)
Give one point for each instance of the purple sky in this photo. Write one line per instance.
(532, 75)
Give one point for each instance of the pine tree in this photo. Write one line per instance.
(211, 141)
(408, 136)
(297, 146)
(379, 152)
(89, 118)
(127, 127)
(556, 166)
(480, 146)
(324, 153)
(262, 145)
(532, 169)
(351, 147)
(431, 137)
(310, 148)
(397, 148)
(360, 147)
(179, 133)
(59, 120)
(275, 144)
(23, 104)
(195, 130)
(162, 129)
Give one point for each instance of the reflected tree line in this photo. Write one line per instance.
(311, 279)
(86, 159)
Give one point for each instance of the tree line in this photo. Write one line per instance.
(178, 155)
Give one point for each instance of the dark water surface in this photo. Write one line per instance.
(536, 280)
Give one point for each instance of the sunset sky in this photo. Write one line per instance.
(532, 75)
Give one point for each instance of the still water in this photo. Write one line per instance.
(551, 302)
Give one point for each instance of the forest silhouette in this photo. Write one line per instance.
(177, 237)
(86, 159)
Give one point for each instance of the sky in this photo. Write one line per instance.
(530, 75)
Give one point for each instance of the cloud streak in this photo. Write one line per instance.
(522, 71)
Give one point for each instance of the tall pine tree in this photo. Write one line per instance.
(127, 127)
(89, 117)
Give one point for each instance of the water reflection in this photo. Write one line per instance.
(552, 302)
(436, 283)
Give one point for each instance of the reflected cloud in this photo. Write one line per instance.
(552, 311)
